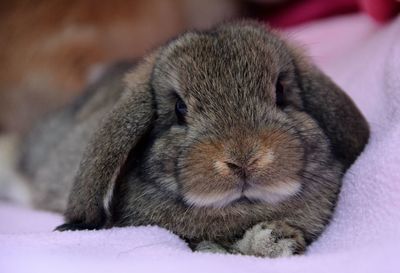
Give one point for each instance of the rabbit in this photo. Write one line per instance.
(230, 138)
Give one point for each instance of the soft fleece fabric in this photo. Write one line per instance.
(364, 235)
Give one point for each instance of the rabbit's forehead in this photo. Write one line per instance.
(205, 66)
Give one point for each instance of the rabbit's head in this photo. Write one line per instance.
(233, 121)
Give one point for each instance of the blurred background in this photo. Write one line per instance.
(49, 50)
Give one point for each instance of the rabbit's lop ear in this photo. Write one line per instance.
(108, 149)
(334, 111)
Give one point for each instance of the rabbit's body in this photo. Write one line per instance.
(227, 138)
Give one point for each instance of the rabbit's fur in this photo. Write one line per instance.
(236, 173)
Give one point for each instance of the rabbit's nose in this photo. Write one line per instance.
(238, 169)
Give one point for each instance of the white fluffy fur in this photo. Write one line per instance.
(269, 194)
(273, 194)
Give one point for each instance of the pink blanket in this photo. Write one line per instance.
(364, 235)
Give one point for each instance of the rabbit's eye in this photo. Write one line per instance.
(280, 94)
(180, 110)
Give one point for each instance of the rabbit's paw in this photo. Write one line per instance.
(271, 239)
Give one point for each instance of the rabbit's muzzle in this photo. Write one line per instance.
(261, 167)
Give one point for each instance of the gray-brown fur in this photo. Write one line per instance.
(239, 162)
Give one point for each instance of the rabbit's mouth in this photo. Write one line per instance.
(273, 194)
(247, 193)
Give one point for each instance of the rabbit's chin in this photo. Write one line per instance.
(271, 194)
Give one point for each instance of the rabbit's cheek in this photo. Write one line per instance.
(203, 181)
(161, 162)
(275, 171)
